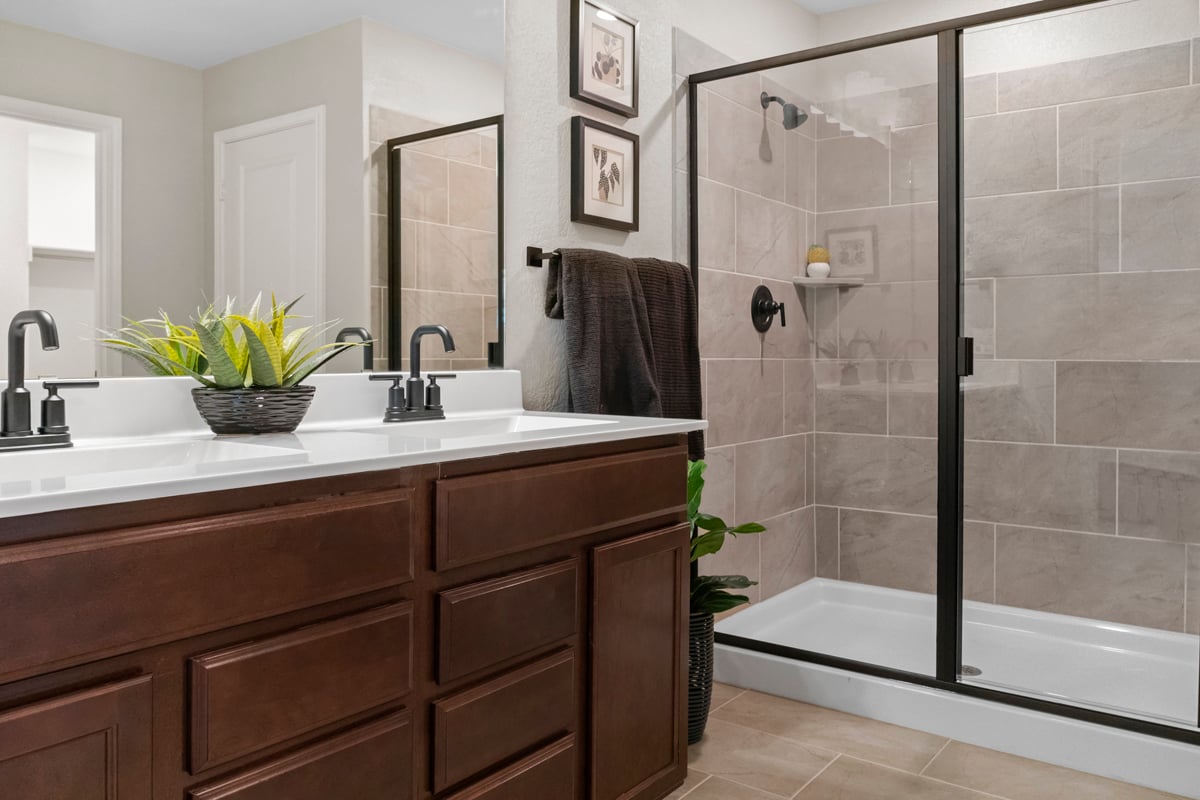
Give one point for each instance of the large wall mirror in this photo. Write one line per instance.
(190, 151)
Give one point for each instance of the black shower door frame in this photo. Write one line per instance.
(954, 360)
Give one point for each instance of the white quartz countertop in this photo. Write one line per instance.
(337, 439)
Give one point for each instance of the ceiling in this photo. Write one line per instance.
(202, 33)
(825, 6)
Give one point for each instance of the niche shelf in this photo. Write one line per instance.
(830, 283)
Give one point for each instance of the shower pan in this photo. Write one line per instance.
(991, 530)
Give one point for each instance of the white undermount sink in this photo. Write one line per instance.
(477, 427)
(71, 462)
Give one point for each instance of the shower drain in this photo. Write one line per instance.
(970, 672)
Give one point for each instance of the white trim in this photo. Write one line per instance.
(315, 117)
(108, 131)
(63, 254)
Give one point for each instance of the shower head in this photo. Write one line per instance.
(792, 117)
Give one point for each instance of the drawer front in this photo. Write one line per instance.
(484, 516)
(481, 727)
(548, 773)
(68, 600)
(251, 696)
(490, 622)
(371, 762)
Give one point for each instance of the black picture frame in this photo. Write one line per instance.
(579, 63)
(579, 183)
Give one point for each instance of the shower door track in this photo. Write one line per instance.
(953, 361)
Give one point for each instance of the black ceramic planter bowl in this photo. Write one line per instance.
(700, 673)
(253, 410)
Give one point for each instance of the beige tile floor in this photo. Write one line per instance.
(760, 747)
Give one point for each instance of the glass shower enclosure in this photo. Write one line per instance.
(987, 476)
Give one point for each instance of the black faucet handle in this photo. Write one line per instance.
(442, 375)
(54, 408)
(52, 385)
(387, 376)
(433, 392)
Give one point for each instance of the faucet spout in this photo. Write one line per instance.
(15, 398)
(364, 335)
(414, 346)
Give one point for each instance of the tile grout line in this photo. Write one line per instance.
(929, 763)
(820, 772)
(706, 779)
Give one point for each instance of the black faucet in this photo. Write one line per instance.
(368, 343)
(16, 425)
(414, 401)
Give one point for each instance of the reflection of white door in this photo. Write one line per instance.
(270, 211)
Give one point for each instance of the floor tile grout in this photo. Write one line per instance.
(935, 755)
(820, 772)
(697, 786)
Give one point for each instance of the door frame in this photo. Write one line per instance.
(314, 116)
(108, 132)
(954, 360)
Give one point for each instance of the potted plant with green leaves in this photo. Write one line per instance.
(249, 366)
(710, 595)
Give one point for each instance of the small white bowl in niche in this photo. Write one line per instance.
(818, 269)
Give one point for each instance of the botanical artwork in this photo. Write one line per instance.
(608, 170)
(852, 253)
(608, 60)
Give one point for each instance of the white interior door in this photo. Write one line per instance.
(270, 211)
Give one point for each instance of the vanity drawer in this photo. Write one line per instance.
(84, 597)
(549, 773)
(481, 727)
(485, 516)
(254, 695)
(492, 621)
(371, 762)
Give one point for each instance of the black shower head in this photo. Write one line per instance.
(793, 117)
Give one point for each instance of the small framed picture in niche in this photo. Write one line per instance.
(604, 57)
(853, 253)
(604, 175)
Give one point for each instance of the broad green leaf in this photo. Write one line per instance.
(264, 356)
(721, 601)
(695, 487)
(748, 527)
(710, 523)
(225, 373)
(707, 544)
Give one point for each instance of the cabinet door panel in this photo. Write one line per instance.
(639, 666)
(88, 745)
(549, 773)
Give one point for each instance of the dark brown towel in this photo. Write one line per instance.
(610, 355)
(671, 307)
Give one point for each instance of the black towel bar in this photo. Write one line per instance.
(534, 256)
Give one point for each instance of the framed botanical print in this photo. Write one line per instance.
(604, 175)
(604, 57)
(852, 253)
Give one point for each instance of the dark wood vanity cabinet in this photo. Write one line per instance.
(495, 629)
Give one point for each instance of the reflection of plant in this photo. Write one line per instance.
(606, 66)
(609, 178)
(226, 350)
(708, 536)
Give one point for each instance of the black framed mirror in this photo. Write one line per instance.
(445, 240)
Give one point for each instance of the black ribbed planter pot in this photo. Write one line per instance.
(243, 411)
(700, 673)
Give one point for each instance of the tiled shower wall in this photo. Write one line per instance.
(756, 185)
(1083, 276)
(448, 230)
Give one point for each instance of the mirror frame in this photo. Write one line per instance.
(495, 355)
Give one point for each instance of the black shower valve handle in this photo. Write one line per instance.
(763, 309)
(782, 315)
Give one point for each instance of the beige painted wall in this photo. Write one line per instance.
(162, 167)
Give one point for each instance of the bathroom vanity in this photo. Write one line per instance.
(506, 625)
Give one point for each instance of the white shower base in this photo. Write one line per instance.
(1123, 669)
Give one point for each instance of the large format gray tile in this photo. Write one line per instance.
(798, 396)
(719, 481)
(473, 193)
(826, 521)
(446, 259)
(744, 400)
(461, 313)
(694, 778)
(979, 95)
(1010, 153)
(768, 237)
(1134, 581)
(852, 172)
(1011, 401)
(715, 225)
(914, 164)
(1129, 404)
(851, 396)
(1043, 233)
(1119, 316)
(1134, 138)
(905, 238)
(831, 730)
(1158, 225)
(888, 321)
(759, 760)
(1019, 778)
(744, 152)
(912, 397)
(770, 477)
(423, 186)
(725, 327)
(851, 779)
(1159, 496)
(788, 551)
(1072, 488)
(721, 789)
(889, 473)
(979, 315)
(1193, 585)
(801, 168)
(1126, 72)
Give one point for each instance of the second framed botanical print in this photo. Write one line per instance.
(604, 57)
(604, 175)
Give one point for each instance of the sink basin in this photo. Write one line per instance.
(196, 456)
(476, 428)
